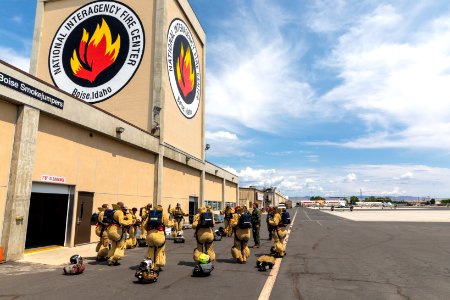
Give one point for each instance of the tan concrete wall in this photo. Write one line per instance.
(179, 182)
(110, 169)
(246, 197)
(183, 133)
(8, 114)
(230, 192)
(133, 103)
(213, 188)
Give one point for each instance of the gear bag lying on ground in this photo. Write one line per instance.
(202, 270)
(245, 221)
(264, 262)
(285, 218)
(155, 219)
(206, 220)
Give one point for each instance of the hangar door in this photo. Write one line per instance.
(48, 215)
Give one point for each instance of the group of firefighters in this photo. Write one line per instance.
(119, 228)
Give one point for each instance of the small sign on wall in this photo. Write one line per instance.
(50, 178)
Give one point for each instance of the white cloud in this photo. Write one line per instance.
(376, 180)
(395, 78)
(224, 143)
(15, 58)
(407, 175)
(351, 177)
(253, 79)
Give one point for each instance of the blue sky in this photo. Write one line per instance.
(317, 97)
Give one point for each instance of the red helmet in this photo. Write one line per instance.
(237, 208)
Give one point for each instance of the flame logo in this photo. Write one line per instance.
(185, 71)
(96, 54)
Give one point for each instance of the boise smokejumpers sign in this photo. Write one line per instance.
(184, 68)
(97, 50)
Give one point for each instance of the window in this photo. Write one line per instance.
(216, 205)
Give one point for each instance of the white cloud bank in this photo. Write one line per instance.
(395, 72)
(14, 58)
(377, 180)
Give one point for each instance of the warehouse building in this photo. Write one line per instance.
(113, 110)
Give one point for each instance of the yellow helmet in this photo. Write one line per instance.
(203, 258)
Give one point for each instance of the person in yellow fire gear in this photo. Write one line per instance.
(241, 224)
(131, 240)
(155, 224)
(119, 220)
(144, 213)
(228, 215)
(177, 215)
(278, 233)
(101, 231)
(203, 224)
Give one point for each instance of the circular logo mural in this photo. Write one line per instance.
(183, 67)
(97, 50)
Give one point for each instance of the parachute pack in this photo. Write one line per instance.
(245, 221)
(94, 219)
(285, 218)
(108, 217)
(155, 218)
(206, 220)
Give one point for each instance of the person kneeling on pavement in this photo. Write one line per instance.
(155, 224)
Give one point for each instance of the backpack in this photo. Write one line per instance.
(155, 218)
(245, 221)
(206, 220)
(255, 217)
(94, 219)
(285, 218)
(178, 214)
(108, 217)
(228, 215)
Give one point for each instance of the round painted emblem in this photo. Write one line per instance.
(183, 67)
(97, 50)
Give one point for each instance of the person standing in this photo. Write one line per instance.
(155, 224)
(256, 224)
(241, 224)
(144, 213)
(119, 218)
(178, 217)
(228, 215)
(268, 218)
(279, 232)
(101, 231)
(131, 240)
(204, 233)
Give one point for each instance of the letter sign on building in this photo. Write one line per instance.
(183, 67)
(97, 50)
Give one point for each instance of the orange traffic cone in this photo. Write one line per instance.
(1, 255)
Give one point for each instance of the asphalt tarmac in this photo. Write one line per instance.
(328, 257)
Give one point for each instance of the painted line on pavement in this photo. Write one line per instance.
(270, 282)
(306, 214)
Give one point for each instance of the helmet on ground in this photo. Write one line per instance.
(76, 259)
(146, 265)
(203, 258)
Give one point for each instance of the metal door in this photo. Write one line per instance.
(83, 218)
